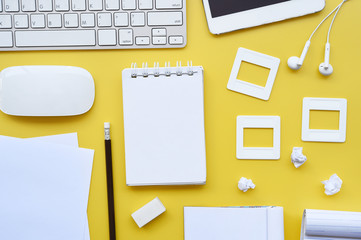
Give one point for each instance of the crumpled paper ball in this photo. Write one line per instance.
(333, 185)
(244, 184)
(297, 157)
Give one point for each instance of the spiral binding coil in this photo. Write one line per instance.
(167, 70)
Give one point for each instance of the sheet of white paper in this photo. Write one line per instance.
(330, 225)
(70, 139)
(233, 223)
(61, 212)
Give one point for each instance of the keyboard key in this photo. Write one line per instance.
(87, 20)
(176, 40)
(55, 38)
(11, 5)
(104, 19)
(78, 5)
(145, 4)
(128, 4)
(159, 40)
(6, 39)
(54, 20)
(45, 5)
(107, 37)
(5, 21)
(28, 5)
(71, 20)
(142, 40)
(95, 5)
(112, 5)
(165, 18)
(137, 19)
(37, 20)
(121, 19)
(1, 5)
(159, 32)
(126, 36)
(21, 21)
(61, 5)
(168, 4)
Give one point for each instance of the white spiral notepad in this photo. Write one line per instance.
(164, 125)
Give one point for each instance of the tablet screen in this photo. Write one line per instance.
(225, 7)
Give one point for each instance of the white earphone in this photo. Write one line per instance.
(325, 68)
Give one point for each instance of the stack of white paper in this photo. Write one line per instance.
(233, 223)
(330, 225)
(44, 186)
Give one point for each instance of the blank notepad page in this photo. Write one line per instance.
(164, 129)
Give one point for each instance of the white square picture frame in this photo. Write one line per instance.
(324, 135)
(250, 89)
(270, 153)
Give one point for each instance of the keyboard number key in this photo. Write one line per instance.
(45, 6)
(87, 20)
(145, 4)
(104, 19)
(5, 21)
(71, 20)
(21, 21)
(11, 6)
(137, 19)
(107, 37)
(54, 20)
(125, 36)
(159, 40)
(121, 19)
(6, 39)
(37, 21)
(128, 4)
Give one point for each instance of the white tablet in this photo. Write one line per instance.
(229, 15)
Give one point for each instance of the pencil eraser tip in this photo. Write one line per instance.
(107, 125)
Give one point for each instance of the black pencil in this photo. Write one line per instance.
(108, 158)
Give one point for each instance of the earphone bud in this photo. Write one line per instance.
(295, 63)
(326, 68)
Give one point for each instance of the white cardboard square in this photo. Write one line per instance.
(259, 59)
(272, 153)
(321, 135)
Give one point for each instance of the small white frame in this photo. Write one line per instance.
(260, 59)
(324, 135)
(270, 153)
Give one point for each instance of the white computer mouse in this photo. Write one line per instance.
(46, 91)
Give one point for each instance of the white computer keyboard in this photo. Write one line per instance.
(92, 24)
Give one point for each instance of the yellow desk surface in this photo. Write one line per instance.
(277, 182)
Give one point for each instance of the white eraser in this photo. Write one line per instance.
(148, 212)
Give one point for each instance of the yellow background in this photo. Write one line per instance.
(277, 182)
